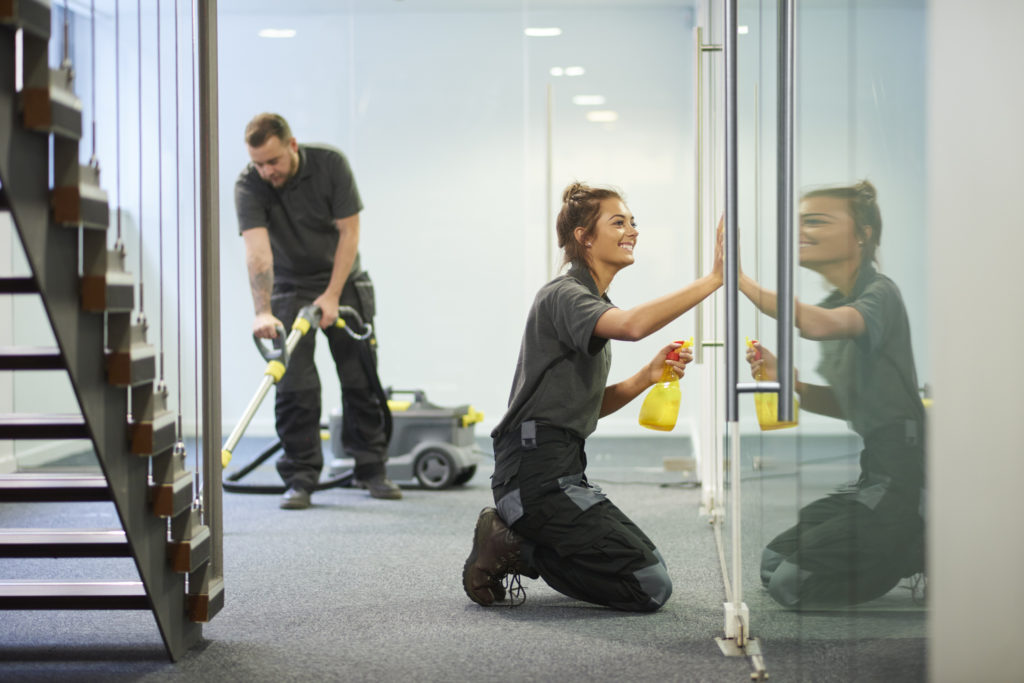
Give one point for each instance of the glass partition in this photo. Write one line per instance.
(832, 538)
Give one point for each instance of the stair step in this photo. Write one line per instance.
(25, 358)
(77, 198)
(53, 488)
(53, 109)
(42, 426)
(18, 285)
(64, 543)
(31, 15)
(188, 556)
(47, 595)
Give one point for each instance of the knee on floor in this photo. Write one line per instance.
(655, 588)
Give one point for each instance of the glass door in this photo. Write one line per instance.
(829, 535)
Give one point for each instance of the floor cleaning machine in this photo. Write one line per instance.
(427, 444)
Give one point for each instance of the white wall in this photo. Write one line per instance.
(442, 116)
(976, 549)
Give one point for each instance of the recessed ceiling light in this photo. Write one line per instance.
(743, 30)
(588, 100)
(541, 32)
(557, 71)
(602, 116)
(276, 33)
(575, 71)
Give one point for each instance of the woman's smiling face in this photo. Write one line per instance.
(614, 236)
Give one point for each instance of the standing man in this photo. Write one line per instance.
(298, 212)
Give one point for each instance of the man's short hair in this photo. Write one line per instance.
(264, 126)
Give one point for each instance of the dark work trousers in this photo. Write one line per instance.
(854, 545)
(575, 538)
(298, 402)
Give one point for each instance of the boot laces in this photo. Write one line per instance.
(514, 586)
(510, 580)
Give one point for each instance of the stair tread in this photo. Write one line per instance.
(31, 358)
(55, 587)
(36, 418)
(59, 595)
(42, 426)
(64, 543)
(53, 480)
(43, 488)
(56, 536)
(18, 285)
(46, 595)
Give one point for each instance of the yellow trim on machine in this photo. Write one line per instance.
(472, 417)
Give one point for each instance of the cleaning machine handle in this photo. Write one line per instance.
(418, 395)
(273, 349)
(349, 311)
(277, 362)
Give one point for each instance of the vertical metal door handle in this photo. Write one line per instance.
(785, 210)
(700, 49)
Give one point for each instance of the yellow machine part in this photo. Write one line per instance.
(472, 417)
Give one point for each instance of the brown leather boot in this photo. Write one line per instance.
(495, 553)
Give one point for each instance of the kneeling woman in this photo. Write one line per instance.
(550, 522)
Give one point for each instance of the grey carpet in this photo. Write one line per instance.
(356, 589)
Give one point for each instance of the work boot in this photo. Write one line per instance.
(380, 486)
(495, 553)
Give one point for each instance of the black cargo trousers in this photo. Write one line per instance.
(575, 539)
(298, 400)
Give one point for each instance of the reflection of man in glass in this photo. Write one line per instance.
(857, 543)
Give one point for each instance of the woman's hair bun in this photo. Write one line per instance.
(866, 190)
(573, 189)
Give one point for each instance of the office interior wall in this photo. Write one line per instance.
(975, 468)
(442, 115)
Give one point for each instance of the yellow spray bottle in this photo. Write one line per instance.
(661, 406)
(767, 404)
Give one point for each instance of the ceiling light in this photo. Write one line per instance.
(574, 71)
(277, 33)
(539, 32)
(557, 71)
(602, 116)
(588, 100)
(743, 30)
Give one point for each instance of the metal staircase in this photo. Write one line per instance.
(89, 300)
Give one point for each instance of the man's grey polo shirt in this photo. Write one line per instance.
(300, 217)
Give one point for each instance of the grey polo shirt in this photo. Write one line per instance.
(300, 217)
(873, 376)
(563, 368)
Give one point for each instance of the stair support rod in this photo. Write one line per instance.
(209, 212)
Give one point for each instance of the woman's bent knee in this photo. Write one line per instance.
(655, 588)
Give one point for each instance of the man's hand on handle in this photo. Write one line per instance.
(328, 305)
(265, 326)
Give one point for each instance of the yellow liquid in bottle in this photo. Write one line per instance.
(661, 406)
